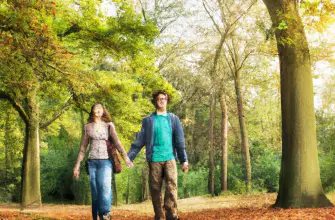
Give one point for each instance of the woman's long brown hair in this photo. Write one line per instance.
(105, 116)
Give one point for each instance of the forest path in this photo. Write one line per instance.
(223, 207)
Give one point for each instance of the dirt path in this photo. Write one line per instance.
(229, 207)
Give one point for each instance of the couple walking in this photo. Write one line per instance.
(163, 136)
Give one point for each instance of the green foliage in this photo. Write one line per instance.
(235, 178)
(81, 189)
(57, 158)
(282, 25)
(62, 49)
(326, 143)
(133, 178)
(11, 138)
(193, 183)
(327, 167)
(266, 167)
(75, 54)
(317, 15)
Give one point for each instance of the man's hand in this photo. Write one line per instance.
(185, 167)
(76, 172)
(129, 163)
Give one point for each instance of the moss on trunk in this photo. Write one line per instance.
(300, 184)
(31, 194)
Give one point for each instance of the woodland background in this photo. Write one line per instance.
(217, 59)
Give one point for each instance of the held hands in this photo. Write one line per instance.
(185, 167)
(129, 163)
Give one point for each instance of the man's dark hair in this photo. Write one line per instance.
(156, 94)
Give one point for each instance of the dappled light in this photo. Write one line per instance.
(226, 106)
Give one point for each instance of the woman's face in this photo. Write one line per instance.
(98, 111)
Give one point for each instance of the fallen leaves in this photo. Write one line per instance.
(197, 208)
(261, 213)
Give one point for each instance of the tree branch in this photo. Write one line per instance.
(223, 15)
(232, 55)
(238, 18)
(229, 65)
(212, 18)
(143, 12)
(16, 105)
(73, 29)
(244, 59)
(55, 68)
(57, 114)
(175, 53)
(168, 24)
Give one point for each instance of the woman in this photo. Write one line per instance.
(99, 164)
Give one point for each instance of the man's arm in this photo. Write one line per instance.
(138, 144)
(180, 141)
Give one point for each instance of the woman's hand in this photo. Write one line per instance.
(76, 172)
(129, 163)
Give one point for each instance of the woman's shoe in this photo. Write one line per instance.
(107, 216)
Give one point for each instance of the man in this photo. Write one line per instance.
(163, 136)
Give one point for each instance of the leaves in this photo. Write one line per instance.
(227, 207)
(318, 15)
(282, 25)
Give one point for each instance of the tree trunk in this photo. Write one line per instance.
(31, 194)
(185, 186)
(193, 147)
(7, 159)
(128, 189)
(145, 183)
(300, 184)
(243, 129)
(224, 142)
(211, 145)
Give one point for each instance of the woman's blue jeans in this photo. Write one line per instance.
(101, 186)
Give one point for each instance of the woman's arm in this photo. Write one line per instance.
(81, 154)
(118, 145)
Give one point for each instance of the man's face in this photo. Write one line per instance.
(161, 101)
(98, 110)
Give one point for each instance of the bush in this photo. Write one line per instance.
(81, 190)
(327, 171)
(265, 168)
(58, 156)
(193, 183)
(236, 177)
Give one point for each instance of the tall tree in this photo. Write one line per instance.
(224, 142)
(37, 66)
(230, 22)
(236, 61)
(300, 184)
(211, 145)
(28, 57)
